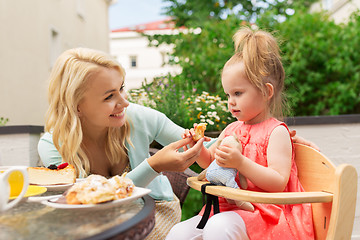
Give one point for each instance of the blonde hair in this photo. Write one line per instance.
(68, 81)
(260, 54)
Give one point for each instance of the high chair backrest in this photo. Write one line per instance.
(333, 220)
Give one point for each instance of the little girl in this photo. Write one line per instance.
(253, 80)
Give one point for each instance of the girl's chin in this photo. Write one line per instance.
(237, 116)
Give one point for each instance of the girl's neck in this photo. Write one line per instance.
(261, 117)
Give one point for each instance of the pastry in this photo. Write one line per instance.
(97, 189)
(199, 131)
(63, 174)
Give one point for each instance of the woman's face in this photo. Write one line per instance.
(104, 102)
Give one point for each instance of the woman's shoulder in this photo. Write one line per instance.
(145, 117)
(137, 110)
(47, 136)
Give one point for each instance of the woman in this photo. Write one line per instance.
(91, 125)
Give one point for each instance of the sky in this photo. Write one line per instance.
(125, 13)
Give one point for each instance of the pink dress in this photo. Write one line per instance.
(269, 221)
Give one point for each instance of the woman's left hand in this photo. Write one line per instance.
(297, 139)
(170, 159)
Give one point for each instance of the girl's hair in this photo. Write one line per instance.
(259, 52)
(68, 81)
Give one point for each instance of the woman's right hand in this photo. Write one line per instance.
(170, 159)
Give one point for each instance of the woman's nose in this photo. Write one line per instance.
(123, 102)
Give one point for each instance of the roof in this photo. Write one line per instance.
(165, 24)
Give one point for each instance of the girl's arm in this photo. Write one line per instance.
(273, 178)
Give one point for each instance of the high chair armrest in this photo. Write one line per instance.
(261, 197)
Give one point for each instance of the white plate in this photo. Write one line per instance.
(59, 187)
(138, 192)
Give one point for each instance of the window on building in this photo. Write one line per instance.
(327, 4)
(133, 61)
(80, 8)
(164, 58)
(55, 47)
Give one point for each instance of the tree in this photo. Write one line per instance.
(203, 50)
(318, 55)
(321, 63)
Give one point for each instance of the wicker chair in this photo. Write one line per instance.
(178, 180)
(178, 183)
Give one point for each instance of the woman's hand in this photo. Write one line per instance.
(297, 139)
(228, 157)
(170, 159)
(189, 133)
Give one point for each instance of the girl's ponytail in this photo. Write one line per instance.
(260, 54)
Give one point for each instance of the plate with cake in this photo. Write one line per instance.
(97, 192)
(54, 178)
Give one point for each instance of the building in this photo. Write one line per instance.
(339, 10)
(130, 47)
(32, 35)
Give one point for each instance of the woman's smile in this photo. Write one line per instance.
(118, 115)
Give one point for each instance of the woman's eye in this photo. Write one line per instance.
(109, 97)
(122, 88)
(237, 93)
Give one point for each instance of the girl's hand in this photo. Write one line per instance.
(228, 157)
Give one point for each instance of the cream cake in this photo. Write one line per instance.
(63, 174)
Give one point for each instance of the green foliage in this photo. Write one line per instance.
(3, 121)
(192, 205)
(319, 57)
(183, 107)
(192, 14)
(193, 202)
(321, 62)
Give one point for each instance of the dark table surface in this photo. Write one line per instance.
(33, 220)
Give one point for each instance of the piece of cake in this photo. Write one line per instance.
(63, 174)
(97, 189)
(199, 131)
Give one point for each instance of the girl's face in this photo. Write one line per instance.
(245, 101)
(104, 101)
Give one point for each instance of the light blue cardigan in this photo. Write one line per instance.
(147, 125)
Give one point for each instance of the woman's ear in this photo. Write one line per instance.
(78, 111)
(270, 90)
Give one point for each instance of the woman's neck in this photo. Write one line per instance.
(94, 136)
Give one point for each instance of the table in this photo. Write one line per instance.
(32, 220)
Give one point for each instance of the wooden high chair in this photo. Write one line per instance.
(331, 191)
